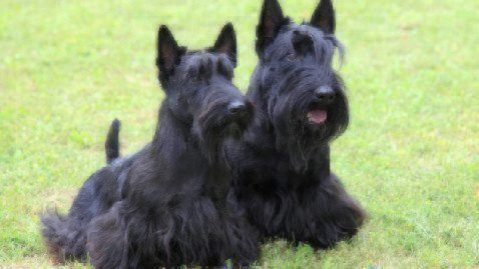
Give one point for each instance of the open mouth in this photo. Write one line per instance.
(317, 116)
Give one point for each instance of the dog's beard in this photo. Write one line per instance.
(213, 127)
(301, 130)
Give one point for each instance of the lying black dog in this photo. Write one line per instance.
(170, 204)
(282, 168)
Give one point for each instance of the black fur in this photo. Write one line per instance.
(112, 144)
(282, 167)
(170, 204)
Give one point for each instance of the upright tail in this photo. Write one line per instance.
(112, 143)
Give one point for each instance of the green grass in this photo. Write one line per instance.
(411, 154)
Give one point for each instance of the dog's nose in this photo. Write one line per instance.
(325, 95)
(237, 108)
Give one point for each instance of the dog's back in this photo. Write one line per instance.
(65, 235)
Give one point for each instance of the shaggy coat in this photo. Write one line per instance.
(282, 167)
(170, 204)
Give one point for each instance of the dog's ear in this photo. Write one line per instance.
(226, 42)
(169, 53)
(323, 17)
(270, 21)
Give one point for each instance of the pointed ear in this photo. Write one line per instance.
(169, 53)
(323, 17)
(226, 42)
(270, 21)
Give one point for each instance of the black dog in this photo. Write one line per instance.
(282, 168)
(170, 203)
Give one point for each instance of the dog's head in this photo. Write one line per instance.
(199, 88)
(295, 84)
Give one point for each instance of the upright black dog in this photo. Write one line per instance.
(170, 204)
(282, 168)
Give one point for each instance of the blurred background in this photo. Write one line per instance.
(411, 154)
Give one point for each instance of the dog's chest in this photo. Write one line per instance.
(276, 174)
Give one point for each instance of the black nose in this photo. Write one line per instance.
(325, 95)
(237, 108)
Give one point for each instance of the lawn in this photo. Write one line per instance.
(411, 154)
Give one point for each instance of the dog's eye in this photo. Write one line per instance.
(291, 57)
(193, 76)
(196, 78)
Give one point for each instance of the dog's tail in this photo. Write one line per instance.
(112, 143)
(63, 243)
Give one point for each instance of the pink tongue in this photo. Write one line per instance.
(317, 116)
